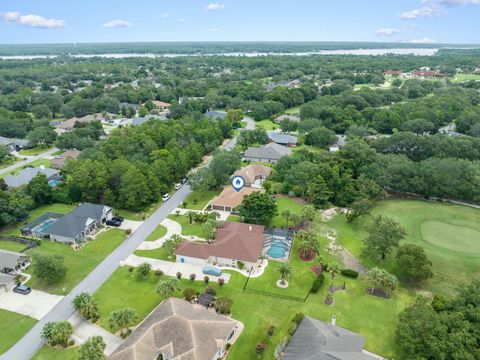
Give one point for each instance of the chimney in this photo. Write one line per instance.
(249, 227)
(334, 320)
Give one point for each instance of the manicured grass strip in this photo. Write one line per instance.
(12, 328)
(187, 228)
(285, 203)
(197, 200)
(79, 263)
(293, 110)
(160, 253)
(158, 233)
(12, 246)
(48, 353)
(34, 151)
(266, 125)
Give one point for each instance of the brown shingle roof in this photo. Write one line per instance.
(251, 172)
(237, 241)
(230, 197)
(60, 162)
(176, 327)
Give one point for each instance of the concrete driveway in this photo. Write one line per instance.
(36, 304)
(130, 224)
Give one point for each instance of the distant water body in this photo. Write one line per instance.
(374, 52)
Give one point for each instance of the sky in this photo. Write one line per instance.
(63, 21)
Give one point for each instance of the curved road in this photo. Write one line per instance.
(28, 161)
(27, 346)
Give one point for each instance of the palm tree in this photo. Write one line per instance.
(86, 305)
(191, 216)
(286, 272)
(287, 214)
(308, 213)
(166, 288)
(123, 319)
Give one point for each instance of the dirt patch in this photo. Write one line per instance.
(317, 270)
(378, 293)
(308, 257)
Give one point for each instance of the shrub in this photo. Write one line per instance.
(211, 290)
(143, 271)
(260, 348)
(179, 275)
(128, 231)
(206, 279)
(130, 269)
(221, 281)
(223, 305)
(158, 272)
(193, 277)
(298, 318)
(228, 346)
(349, 273)
(71, 343)
(317, 283)
(189, 294)
(270, 331)
(240, 265)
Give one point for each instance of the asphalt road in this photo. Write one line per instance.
(27, 346)
(28, 161)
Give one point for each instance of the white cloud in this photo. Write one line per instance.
(183, 20)
(451, 3)
(32, 20)
(118, 23)
(166, 15)
(214, 29)
(435, 7)
(425, 40)
(387, 32)
(214, 7)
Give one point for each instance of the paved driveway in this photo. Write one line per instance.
(36, 304)
(28, 161)
(130, 224)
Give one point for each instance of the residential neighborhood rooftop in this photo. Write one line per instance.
(282, 138)
(253, 172)
(271, 151)
(61, 160)
(24, 176)
(230, 198)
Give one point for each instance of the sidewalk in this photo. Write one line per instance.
(172, 228)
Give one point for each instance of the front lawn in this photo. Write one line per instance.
(187, 228)
(158, 233)
(197, 200)
(36, 163)
(34, 151)
(79, 263)
(12, 246)
(13, 327)
(160, 253)
(293, 110)
(48, 353)
(14, 229)
(448, 233)
(466, 77)
(285, 203)
(130, 215)
(267, 125)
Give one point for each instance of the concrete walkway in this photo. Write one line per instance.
(223, 214)
(130, 224)
(83, 329)
(172, 228)
(171, 268)
(36, 304)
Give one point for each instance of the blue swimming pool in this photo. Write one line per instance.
(45, 225)
(277, 250)
(53, 183)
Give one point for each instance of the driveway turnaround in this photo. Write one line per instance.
(83, 329)
(172, 227)
(36, 304)
(171, 268)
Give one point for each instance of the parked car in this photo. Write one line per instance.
(165, 197)
(112, 222)
(22, 289)
(212, 270)
(118, 218)
(178, 186)
(184, 180)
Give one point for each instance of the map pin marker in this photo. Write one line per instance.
(238, 183)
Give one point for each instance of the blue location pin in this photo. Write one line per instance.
(238, 183)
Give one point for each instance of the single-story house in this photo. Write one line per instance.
(61, 160)
(282, 139)
(215, 114)
(26, 175)
(317, 340)
(291, 118)
(140, 120)
(69, 124)
(125, 105)
(161, 105)
(339, 143)
(392, 72)
(13, 144)
(233, 242)
(230, 198)
(35, 227)
(178, 330)
(78, 224)
(269, 153)
(254, 174)
(12, 262)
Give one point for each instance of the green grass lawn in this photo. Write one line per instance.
(48, 353)
(34, 151)
(35, 213)
(159, 253)
(197, 200)
(293, 110)
(36, 163)
(284, 203)
(158, 233)
(187, 228)
(234, 218)
(130, 215)
(79, 263)
(266, 125)
(466, 77)
(449, 234)
(9, 162)
(12, 246)
(12, 327)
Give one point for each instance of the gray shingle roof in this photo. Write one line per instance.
(27, 174)
(140, 120)
(270, 151)
(317, 340)
(41, 219)
(8, 142)
(292, 118)
(10, 259)
(281, 138)
(216, 114)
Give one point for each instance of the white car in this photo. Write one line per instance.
(165, 197)
(178, 186)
